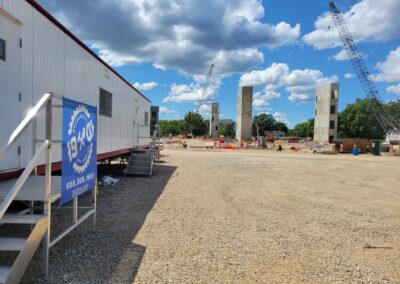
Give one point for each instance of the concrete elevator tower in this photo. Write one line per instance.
(326, 113)
(244, 118)
(214, 120)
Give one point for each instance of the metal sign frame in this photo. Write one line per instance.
(49, 242)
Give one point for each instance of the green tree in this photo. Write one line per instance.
(359, 120)
(195, 123)
(393, 108)
(174, 127)
(304, 129)
(265, 122)
(280, 126)
(222, 129)
(226, 129)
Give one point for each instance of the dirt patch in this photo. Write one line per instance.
(242, 217)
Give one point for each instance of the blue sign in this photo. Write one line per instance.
(79, 149)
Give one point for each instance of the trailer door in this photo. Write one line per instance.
(10, 87)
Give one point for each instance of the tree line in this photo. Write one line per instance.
(357, 120)
(193, 123)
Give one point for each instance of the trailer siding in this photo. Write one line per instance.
(53, 61)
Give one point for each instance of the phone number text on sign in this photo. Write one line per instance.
(79, 181)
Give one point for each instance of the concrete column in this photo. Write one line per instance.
(214, 120)
(244, 118)
(326, 113)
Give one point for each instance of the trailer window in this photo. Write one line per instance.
(105, 103)
(146, 118)
(2, 49)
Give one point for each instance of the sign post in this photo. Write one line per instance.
(79, 150)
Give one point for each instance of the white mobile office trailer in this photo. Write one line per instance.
(39, 55)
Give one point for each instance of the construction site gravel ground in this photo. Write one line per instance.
(223, 216)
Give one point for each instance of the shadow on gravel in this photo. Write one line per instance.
(107, 255)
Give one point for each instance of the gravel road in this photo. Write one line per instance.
(242, 217)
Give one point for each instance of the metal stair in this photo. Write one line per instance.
(19, 251)
(25, 246)
(144, 162)
(141, 162)
(20, 219)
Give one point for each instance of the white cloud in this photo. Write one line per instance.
(298, 82)
(263, 109)
(394, 89)
(184, 93)
(369, 20)
(341, 56)
(271, 75)
(299, 98)
(281, 117)
(261, 100)
(183, 35)
(166, 111)
(280, 75)
(390, 69)
(270, 92)
(116, 59)
(349, 75)
(204, 110)
(145, 86)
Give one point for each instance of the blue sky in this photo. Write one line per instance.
(284, 48)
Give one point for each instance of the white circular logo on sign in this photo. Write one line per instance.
(80, 144)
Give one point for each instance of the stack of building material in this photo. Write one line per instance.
(141, 162)
(395, 149)
(362, 144)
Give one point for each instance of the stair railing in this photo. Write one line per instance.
(44, 102)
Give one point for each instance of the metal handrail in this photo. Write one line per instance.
(137, 140)
(22, 179)
(25, 123)
(45, 101)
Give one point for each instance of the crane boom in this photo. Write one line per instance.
(207, 81)
(388, 124)
(210, 71)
